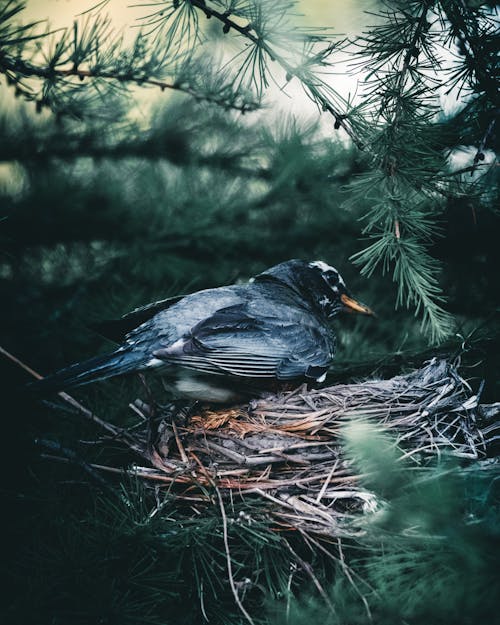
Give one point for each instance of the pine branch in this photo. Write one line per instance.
(248, 32)
(478, 40)
(402, 148)
(16, 66)
(411, 54)
(72, 64)
(477, 34)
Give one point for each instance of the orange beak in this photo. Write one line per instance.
(353, 306)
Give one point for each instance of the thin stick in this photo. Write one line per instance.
(347, 573)
(71, 456)
(88, 414)
(29, 69)
(180, 446)
(20, 363)
(228, 560)
(326, 482)
(309, 570)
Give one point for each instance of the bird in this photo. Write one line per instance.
(211, 344)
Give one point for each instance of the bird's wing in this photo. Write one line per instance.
(234, 342)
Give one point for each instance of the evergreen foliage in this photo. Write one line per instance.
(405, 57)
(103, 210)
(87, 71)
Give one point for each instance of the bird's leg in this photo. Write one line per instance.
(182, 411)
(152, 433)
(175, 413)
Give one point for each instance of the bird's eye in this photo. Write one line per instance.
(334, 280)
(332, 277)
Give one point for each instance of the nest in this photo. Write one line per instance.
(287, 452)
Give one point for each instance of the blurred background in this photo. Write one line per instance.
(157, 194)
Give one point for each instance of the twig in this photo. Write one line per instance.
(71, 456)
(21, 66)
(327, 481)
(309, 570)
(228, 560)
(180, 446)
(347, 573)
(479, 154)
(21, 364)
(88, 414)
(341, 120)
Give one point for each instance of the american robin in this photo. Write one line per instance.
(211, 344)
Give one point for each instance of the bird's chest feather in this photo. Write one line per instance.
(218, 389)
(211, 389)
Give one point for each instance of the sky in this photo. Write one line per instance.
(346, 16)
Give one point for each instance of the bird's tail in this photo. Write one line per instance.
(91, 370)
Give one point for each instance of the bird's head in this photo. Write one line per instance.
(319, 283)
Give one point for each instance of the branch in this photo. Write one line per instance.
(27, 69)
(70, 455)
(408, 162)
(479, 156)
(229, 562)
(466, 26)
(410, 54)
(341, 120)
(143, 144)
(456, 13)
(118, 433)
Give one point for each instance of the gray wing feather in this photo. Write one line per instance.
(234, 342)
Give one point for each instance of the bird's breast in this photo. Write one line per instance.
(215, 389)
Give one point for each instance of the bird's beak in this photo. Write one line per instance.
(351, 305)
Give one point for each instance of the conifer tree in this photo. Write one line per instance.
(104, 210)
(229, 54)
